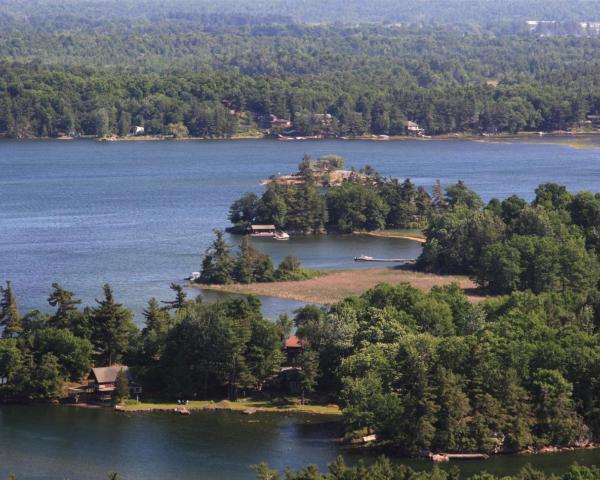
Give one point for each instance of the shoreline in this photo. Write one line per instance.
(332, 287)
(376, 138)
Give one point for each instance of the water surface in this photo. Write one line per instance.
(139, 214)
(54, 443)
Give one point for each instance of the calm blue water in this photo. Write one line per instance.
(56, 443)
(139, 214)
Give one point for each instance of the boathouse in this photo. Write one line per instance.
(262, 230)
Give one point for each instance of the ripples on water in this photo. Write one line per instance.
(54, 443)
(138, 215)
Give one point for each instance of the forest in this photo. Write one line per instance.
(71, 14)
(178, 79)
(384, 469)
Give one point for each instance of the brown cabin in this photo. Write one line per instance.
(102, 383)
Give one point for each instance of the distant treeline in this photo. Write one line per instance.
(89, 14)
(219, 82)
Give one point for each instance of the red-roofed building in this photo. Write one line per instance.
(293, 346)
(293, 342)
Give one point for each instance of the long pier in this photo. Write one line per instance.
(389, 260)
(446, 457)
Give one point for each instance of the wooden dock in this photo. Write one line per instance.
(364, 258)
(446, 457)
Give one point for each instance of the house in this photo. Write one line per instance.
(413, 129)
(102, 383)
(325, 119)
(593, 119)
(288, 381)
(262, 230)
(278, 123)
(136, 130)
(273, 122)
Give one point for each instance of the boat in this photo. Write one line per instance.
(281, 236)
(193, 276)
(363, 258)
(182, 411)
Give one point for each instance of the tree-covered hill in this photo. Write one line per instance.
(98, 68)
(92, 13)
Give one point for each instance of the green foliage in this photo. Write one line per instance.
(177, 304)
(431, 371)
(290, 269)
(10, 320)
(225, 346)
(549, 245)
(249, 266)
(384, 469)
(363, 201)
(356, 207)
(121, 387)
(111, 325)
(217, 265)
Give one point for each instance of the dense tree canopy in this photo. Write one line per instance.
(363, 201)
(434, 372)
(550, 245)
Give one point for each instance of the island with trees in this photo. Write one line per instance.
(309, 202)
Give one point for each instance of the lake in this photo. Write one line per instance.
(139, 214)
(54, 443)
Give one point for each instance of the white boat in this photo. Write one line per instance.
(363, 258)
(281, 236)
(193, 276)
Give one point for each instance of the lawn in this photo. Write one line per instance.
(290, 406)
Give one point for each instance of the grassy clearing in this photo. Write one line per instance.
(335, 286)
(264, 406)
(413, 234)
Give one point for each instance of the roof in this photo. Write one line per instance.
(262, 227)
(108, 374)
(293, 342)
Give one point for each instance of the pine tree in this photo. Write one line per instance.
(66, 310)
(439, 200)
(158, 322)
(217, 266)
(180, 298)
(245, 263)
(121, 387)
(111, 324)
(10, 319)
